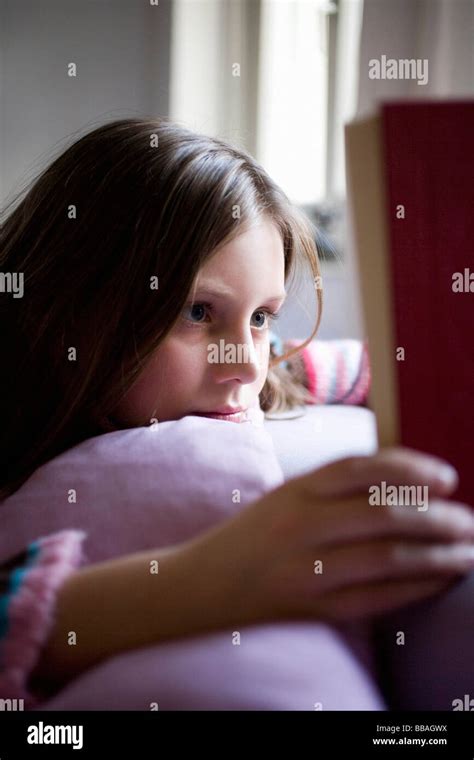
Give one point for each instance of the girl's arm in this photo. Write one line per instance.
(256, 566)
(259, 565)
(57, 620)
(29, 582)
(130, 602)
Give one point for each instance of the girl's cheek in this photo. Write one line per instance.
(187, 352)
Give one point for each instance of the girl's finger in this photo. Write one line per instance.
(395, 466)
(335, 522)
(357, 602)
(380, 561)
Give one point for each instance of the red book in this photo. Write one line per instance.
(410, 173)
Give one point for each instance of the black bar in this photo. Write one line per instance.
(154, 734)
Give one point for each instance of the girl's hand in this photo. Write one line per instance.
(316, 548)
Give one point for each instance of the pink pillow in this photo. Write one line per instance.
(144, 487)
(155, 486)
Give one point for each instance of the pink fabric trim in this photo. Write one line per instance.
(342, 375)
(361, 391)
(308, 363)
(31, 611)
(310, 369)
(331, 367)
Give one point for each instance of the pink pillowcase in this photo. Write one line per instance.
(143, 488)
(151, 487)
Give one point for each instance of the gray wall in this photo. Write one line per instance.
(121, 49)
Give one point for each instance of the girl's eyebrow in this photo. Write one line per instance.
(227, 294)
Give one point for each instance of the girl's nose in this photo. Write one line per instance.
(235, 361)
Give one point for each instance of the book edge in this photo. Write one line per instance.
(368, 219)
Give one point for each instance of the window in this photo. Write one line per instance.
(280, 78)
(293, 93)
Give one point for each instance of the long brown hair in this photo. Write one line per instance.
(130, 201)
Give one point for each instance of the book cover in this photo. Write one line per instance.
(410, 172)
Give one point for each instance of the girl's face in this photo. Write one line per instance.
(215, 358)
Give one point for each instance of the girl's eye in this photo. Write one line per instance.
(263, 318)
(195, 312)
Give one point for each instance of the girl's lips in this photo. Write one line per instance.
(240, 416)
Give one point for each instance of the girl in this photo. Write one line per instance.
(142, 246)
